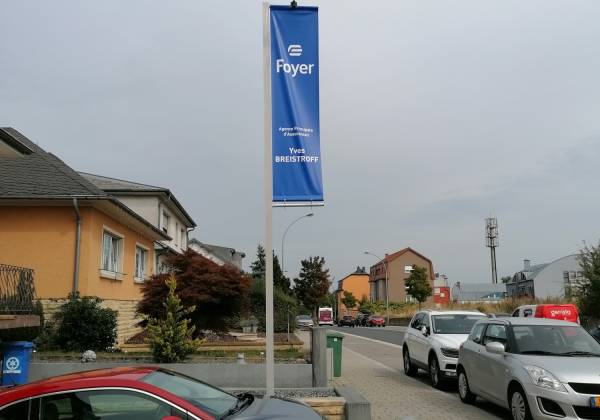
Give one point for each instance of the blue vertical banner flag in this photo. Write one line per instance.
(297, 175)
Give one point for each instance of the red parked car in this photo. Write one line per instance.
(138, 393)
(376, 321)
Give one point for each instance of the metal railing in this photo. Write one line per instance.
(17, 291)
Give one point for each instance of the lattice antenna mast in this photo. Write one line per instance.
(491, 241)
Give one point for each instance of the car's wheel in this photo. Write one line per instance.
(434, 372)
(519, 408)
(464, 392)
(409, 368)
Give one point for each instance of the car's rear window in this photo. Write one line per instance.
(455, 323)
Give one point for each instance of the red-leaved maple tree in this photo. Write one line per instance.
(219, 293)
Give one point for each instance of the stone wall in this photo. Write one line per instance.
(126, 316)
(224, 375)
(331, 408)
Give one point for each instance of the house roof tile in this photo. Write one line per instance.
(122, 187)
(39, 174)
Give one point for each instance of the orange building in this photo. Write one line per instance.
(358, 284)
(75, 237)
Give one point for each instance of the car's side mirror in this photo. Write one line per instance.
(425, 330)
(495, 348)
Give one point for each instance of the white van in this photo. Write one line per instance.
(325, 316)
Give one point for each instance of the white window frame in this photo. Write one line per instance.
(145, 273)
(166, 218)
(182, 241)
(117, 273)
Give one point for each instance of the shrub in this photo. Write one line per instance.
(588, 292)
(219, 293)
(84, 325)
(372, 307)
(170, 337)
(282, 303)
(46, 340)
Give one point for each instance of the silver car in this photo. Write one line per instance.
(537, 368)
(304, 321)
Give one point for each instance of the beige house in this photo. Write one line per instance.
(398, 267)
(159, 206)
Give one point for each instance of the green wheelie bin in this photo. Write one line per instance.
(334, 341)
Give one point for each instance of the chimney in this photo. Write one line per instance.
(526, 265)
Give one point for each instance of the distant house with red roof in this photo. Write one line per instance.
(398, 267)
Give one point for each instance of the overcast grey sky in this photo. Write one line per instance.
(434, 115)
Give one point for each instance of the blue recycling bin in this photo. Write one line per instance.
(15, 365)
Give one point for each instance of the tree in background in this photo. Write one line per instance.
(312, 284)
(170, 336)
(418, 285)
(349, 300)
(258, 266)
(588, 290)
(506, 279)
(219, 293)
(364, 305)
(258, 270)
(284, 305)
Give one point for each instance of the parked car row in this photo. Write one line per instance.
(535, 365)
(362, 320)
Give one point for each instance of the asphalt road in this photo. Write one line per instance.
(393, 335)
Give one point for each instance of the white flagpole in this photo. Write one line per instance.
(270, 351)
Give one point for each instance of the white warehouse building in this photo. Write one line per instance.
(555, 279)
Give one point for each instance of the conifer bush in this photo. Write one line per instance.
(171, 336)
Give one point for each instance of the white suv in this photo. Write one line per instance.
(432, 340)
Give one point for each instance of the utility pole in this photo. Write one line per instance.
(491, 242)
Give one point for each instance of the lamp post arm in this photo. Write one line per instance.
(283, 240)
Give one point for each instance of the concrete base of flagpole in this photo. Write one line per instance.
(318, 351)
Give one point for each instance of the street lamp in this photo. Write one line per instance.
(387, 290)
(285, 233)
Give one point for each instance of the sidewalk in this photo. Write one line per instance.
(396, 396)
